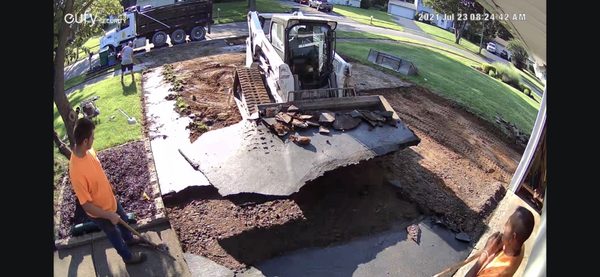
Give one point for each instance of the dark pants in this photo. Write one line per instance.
(116, 234)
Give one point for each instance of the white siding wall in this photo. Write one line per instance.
(401, 11)
(353, 3)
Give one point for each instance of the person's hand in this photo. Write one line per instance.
(493, 244)
(114, 218)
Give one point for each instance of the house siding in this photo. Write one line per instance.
(353, 3)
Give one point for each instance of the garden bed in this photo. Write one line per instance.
(130, 170)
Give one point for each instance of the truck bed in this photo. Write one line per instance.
(180, 15)
(249, 158)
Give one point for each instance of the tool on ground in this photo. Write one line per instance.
(163, 248)
(458, 265)
(130, 120)
(193, 164)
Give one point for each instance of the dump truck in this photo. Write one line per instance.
(300, 117)
(175, 21)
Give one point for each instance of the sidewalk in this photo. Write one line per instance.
(99, 258)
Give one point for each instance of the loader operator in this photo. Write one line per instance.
(96, 194)
(305, 55)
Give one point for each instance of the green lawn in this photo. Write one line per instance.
(534, 80)
(112, 95)
(380, 18)
(447, 37)
(74, 81)
(452, 77)
(238, 10)
(362, 35)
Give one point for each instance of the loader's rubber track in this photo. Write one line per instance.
(253, 87)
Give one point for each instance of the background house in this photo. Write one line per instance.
(353, 3)
(409, 8)
(403, 8)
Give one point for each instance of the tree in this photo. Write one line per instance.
(68, 37)
(504, 34)
(488, 29)
(456, 8)
(519, 54)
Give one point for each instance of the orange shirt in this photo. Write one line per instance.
(501, 265)
(90, 182)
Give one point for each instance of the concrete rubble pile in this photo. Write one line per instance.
(282, 121)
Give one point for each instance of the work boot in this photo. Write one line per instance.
(136, 258)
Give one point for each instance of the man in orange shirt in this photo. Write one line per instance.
(96, 194)
(503, 253)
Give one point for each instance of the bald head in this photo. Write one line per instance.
(521, 223)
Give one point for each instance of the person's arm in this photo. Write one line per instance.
(492, 246)
(97, 212)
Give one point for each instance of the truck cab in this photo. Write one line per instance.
(116, 37)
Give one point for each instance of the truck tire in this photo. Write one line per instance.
(178, 37)
(197, 33)
(159, 39)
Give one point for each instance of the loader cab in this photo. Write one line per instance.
(307, 46)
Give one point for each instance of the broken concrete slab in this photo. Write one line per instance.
(345, 122)
(327, 117)
(165, 125)
(201, 266)
(248, 158)
(292, 108)
(323, 130)
(385, 254)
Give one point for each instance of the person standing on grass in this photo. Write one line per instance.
(503, 252)
(90, 55)
(96, 194)
(127, 60)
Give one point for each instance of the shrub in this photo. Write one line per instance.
(492, 73)
(519, 54)
(365, 4)
(487, 67)
(525, 89)
(508, 74)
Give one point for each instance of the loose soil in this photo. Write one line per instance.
(242, 230)
(126, 167)
(206, 92)
(457, 174)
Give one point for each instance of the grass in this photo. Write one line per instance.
(447, 37)
(81, 78)
(534, 80)
(380, 18)
(74, 81)
(238, 10)
(362, 35)
(453, 77)
(112, 95)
